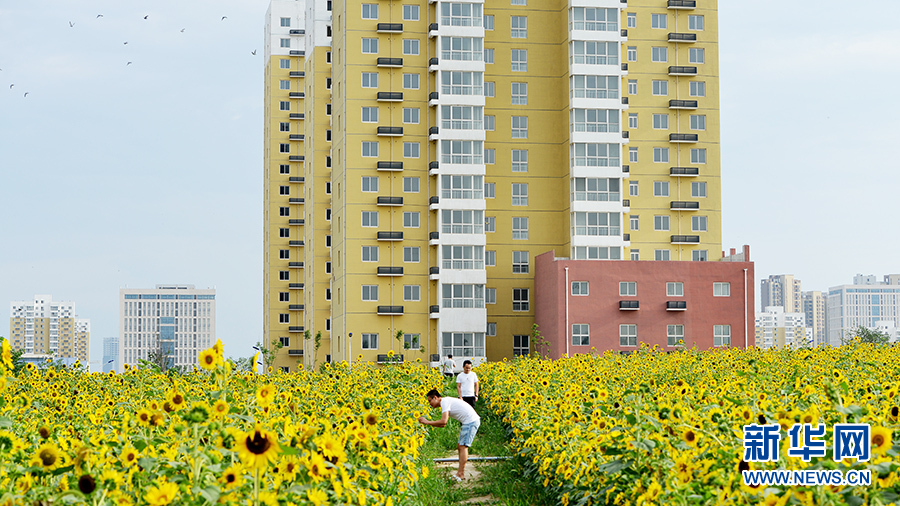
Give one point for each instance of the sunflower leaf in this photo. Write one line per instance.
(5, 423)
(289, 450)
(62, 470)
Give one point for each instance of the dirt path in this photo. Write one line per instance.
(472, 480)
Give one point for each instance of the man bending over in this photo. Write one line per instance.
(459, 410)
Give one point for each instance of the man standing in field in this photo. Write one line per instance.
(447, 366)
(452, 407)
(467, 384)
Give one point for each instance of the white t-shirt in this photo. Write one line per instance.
(448, 365)
(467, 383)
(459, 410)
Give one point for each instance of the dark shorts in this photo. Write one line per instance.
(470, 400)
(448, 374)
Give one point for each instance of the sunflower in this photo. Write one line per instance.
(893, 413)
(689, 437)
(257, 448)
(317, 497)
(317, 468)
(6, 354)
(370, 418)
(129, 456)
(265, 395)
(881, 440)
(161, 494)
(220, 408)
(232, 476)
(87, 484)
(47, 456)
(208, 359)
(143, 417)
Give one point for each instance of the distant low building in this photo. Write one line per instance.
(46, 327)
(864, 303)
(585, 306)
(782, 290)
(111, 354)
(777, 328)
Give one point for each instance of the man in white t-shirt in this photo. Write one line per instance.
(457, 409)
(447, 366)
(467, 384)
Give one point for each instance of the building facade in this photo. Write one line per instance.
(583, 306)
(46, 327)
(782, 290)
(814, 307)
(420, 155)
(110, 354)
(169, 324)
(776, 328)
(867, 302)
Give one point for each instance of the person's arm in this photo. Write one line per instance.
(476, 387)
(445, 417)
(458, 388)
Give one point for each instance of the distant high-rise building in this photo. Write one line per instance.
(110, 354)
(814, 312)
(169, 323)
(775, 327)
(867, 302)
(418, 157)
(47, 327)
(781, 291)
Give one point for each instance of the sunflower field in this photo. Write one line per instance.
(657, 428)
(338, 436)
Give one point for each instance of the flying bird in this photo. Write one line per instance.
(224, 18)
(126, 42)
(253, 52)
(99, 15)
(25, 95)
(182, 30)
(71, 24)
(147, 16)
(127, 64)
(11, 85)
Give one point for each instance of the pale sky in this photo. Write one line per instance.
(115, 174)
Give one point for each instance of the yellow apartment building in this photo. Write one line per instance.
(419, 154)
(46, 327)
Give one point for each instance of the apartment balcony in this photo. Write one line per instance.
(296, 115)
(681, 205)
(387, 131)
(682, 4)
(296, 328)
(390, 236)
(684, 171)
(296, 307)
(628, 305)
(679, 70)
(433, 65)
(683, 138)
(685, 239)
(295, 286)
(296, 200)
(297, 137)
(384, 359)
(295, 353)
(298, 32)
(624, 100)
(434, 273)
(389, 28)
(297, 52)
(296, 179)
(626, 237)
(296, 158)
(433, 98)
(389, 62)
(390, 271)
(434, 238)
(433, 30)
(624, 68)
(434, 311)
(297, 73)
(389, 310)
(433, 168)
(624, 33)
(297, 244)
(296, 94)
(390, 201)
(433, 133)
(682, 104)
(297, 221)
(386, 166)
(389, 96)
(626, 203)
(626, 169)
(682, 37)
(625, 134)
(433, 203)
(676, 305)
(295, 265)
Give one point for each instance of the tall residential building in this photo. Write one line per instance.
(110, 354)
(781, 290)
(47, 327)
(866, 303)
(775, 327)
(419, 155)
(814, 311)
(169, 323)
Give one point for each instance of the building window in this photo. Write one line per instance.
(490, 156)
(411, 81)
(284, 254)
(284, 318)
(594, 120)
(489, 55)
(594, 154)
(411, 47)
(660, 188)
(518, 27)
(594, 189)
(411, 219)
(695, 23)
(411, 254)
(699, 255)
(675, 335)
(660, 155)
(461, 187)
(462, 296)
(492, 328)
(632, 155)
(521, 347)
(490, 224)
(581, 334)
(285, 43)
(410, 185)
(698, 155)
(410, 150)
(370, 253)
(631, 20)
(520, 262)
(284, 275)
(632, 120)
(284, 297)
(698, 122)
(698, 223)
(462, 48)
(370, 115)
(596, 224)
(632, 188)
(462, 257)
(284, 105)
(489, 190)
(675, 289)
(594, 53)
(286, 22)
(580, 288)
(369, 79)
(284, 168)
(635, 222)
(370, 11)
(284, 190)
(696, 55)
(659, 54)
(520, 194)
(631, 53)
(697, 88)
(369, 341)
(411, 115)
(661, 255)
(520, 228)
(489, 89)
(489, 22)
(635, 255)
(370, 292)
(658, 21)
(369, 184)
(489, 122)
(698, 189)
(519, 94)
(284, 84)
(285, 63)
(411, 341)
(370, 149)
(463, 344)
(722, 289)
(370, 218)
(490, 295)
(411, 293)
(284, 148)
(284, 232)
(520, 160)
(628, 335)
(632, 86)
(660, 88)
(518, 2)
(627, 288)
(520, 299)
(369, 45)
(410, 13)
(284, 126)
(519, 59)
(661, 121)
(721, 335)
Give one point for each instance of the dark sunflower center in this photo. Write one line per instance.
(258, 444)
(208, 359)
(878, 440)
(743, 466)
(895, 411)
(178, 399)
(86, 484)
(689, 436)
(47, 457)
(44, 432)
(230, 478)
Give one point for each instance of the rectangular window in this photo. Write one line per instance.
(661, 255)
(369, 45)
(411, 115)
(675, 335)
(520, 262)
(628, 335)
(411, 254)
(411, 341)
(462, 152)
(489, 190)
(462, 48)
(635, 255)
(580, 288)
(698, 122)
(722, 289)
(370, 218)
(462, 117)
(661, 121)
(411, 219)
(369, 184)
(492, 328)
(463, 344)
(594, 120)
(697, 88)
(284, 232)
(410, 150)
(490, 295)
(675, 289)
(410, 13)
(461, 14)
(660, 88)
(632, 86)
(521, 347)
(284, 126)
(284, 211)
(284, 148)
(518, 2)
(520, 194)
(581, 334)
(698, 189)
(698, 155)
(461, 187)
(370, 292)
(519, 60)
(462, 296)
(490, 258)
(635, 222)
(594, 19)
(627, 288)
(661, 223)
(369, 342)
(632, 120)
(370, 115)
(462, 257)
(490, 156)
(461, 221)
(285, 84)
(519, 94)
(411, 47)
(284, 297)
(284, 318)
(462, 83)
(369, 149)
(411, 81)
(285, 63)
(660, 188)
(489, 22)
(721, 335)
(631, 53)
(286, 22)
(370, 253)
(695, 23)
(518, 27)
(696, 55)
(595, 189)
(489, 89)
(658, 21)
(594, 53)
(489, 122)
(369, 79)
(284, 190)
(520, 299)
(410, 185)
(489, 55)
(411, 293)
(594, 154)
(520, 160)
(660, 155)
(659, 54)
(284, 275)
(490, 224)
(284, 105)
(631, 20)
(698, 223)
(370, 11)
(633, 156)
(700, 255)
(594, 86)
(520, 228)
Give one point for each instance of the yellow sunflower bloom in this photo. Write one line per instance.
(257, 448)
(881, 440)
(161, 494)
(207, 359)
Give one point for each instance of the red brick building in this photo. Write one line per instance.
(602, 305)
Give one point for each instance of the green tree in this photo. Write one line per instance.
(867, 335)
(539, 342)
